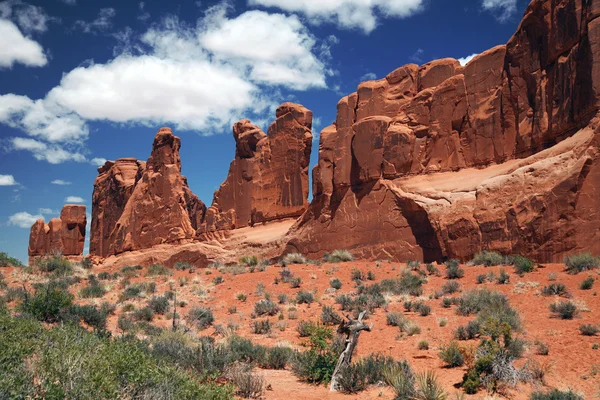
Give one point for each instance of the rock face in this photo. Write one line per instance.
(268, 179)
(442, 160)
(138, 205)
(65, 234)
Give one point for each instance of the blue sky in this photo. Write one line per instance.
(84, 81)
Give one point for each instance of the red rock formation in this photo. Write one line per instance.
(65, 234)
(458, 125)
(268, 179)
(137, 205)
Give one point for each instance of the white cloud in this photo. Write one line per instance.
(102, 22)
(23, 219)
(46, 211)
(7, 180)
(54, 154)
(502, 9)
(74, 199)
(347, 14)
(98, 161)
(144, 15)
(369, 76)
(60, 182)
(416, 57)
(465, 60)
(16, 48)
(29, 18)
(70, 2)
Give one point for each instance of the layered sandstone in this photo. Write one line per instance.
(443, 160)
(138, 205)
(65, 235)
(268, 179)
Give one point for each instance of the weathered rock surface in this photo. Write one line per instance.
(64, 235)
(442, 160)
(138, 205)
(268, 179)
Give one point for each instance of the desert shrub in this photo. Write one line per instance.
(94, 290)
(371, 276)
(295, 282)
(144, 314)
(182, 266)
(48, 303)
(265, 307)
(339, 256)
(158, 270)
(450, 287)
(6, 260)
(564, 309)
(90, 315)
(587, 283)
(345, 301)
(588, 330)
(130, 271)
(581, 262)
(293, 258)
(282, 298)
(481, 278)
(277, 357)
(468, 331)
(395, 319)
(423, 345)
(55, 263)
(542, 348)
(555, 394)
(159, 304)
(335, 283)
(249, 385)
(407, 284)
(286, 274)
(488, 259)
(523, 265)
(104, 276)
(217, 280)
(202, 317)
(261, 327)
(249, 261)
(555, 289)
(453, 271)
(452, 355)
(329, 316)
(352, 379)
(488, 304)
(423, 309)
(316, 364)
(304, 297)
(401, 379)
(428, 387)
(431, 269)
(357, 275)
(503, 278)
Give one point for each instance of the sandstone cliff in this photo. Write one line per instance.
(442, 160)
(64, 235)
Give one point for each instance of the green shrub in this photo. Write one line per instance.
(202, 317)
(450, 287)
(555, 394)
(395, 319)
(406, 284)
(144, 314)
(48, 303)
(282, 298)
(330, 317)
(335, 283)
(277, 357)
(587, 283)
(555, 289)
(453, 271)
(339, 256)
(588, 330)
(503, 278)
(577, 263)
(481, 278)
(564, 309)
(158, 270)
(452, 355)
(295, 282)
(424, 309)
(357, 275)
(8, 261)
(261, 327)
(401, 379)
(487, 305)
(431, 269)
(217, 280)
(241, 297)
(423, 345)
(159, 304)
(488, 259)
(304, 297)
(93, 290)
(183, 266)
(265, 307)
(55, 263)
(428, 387)
(542, 349)
(249, 261)
(293, 258)
(90, 315)
(523, 265)
(104, 276)
(352, 379)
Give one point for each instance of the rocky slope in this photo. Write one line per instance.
(65, 234)
(423, 163)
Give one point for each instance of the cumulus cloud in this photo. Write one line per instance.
(16, 48)
(98, 161)
(465, 60)
(144, 15)
(347, 14)
(417, 56)
(60, 182)
(54, 154)
(23, 219)
(46, 211)
(369, 76)
(74, 199)
(102, 22)
(29, 18)
(501, 9)
(7, 180)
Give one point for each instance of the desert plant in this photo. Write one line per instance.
(277, 357)
(329, 316)
(48, 303)
(589, 330)
(261, 327)
(555, 289)
(395, 319)
(158, 270)
(202, 317)
(143, 314)
(217, 280)
(401, 379)
(428, 387)
(564, 309)
(339, 256)
(304, 297)
(91, 315)
(282, 298)
(481, 278)
(556, 394)
(8, 261)
(450, 287)
(587, 283)
(357, 275)
(55, 263)
(249, 261)
(431, 269)
(581, 262)
(542, 348)
(523, 265)
(249, 385)
(93, 290)
(452, 355)
(265, 307)
(503, 278)
(488, 259)
(241, 297)
(293, 258)
(335, 283)
(159, 304)
(453, 270)
(423, 345)
(424, 309)
(295, 282)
